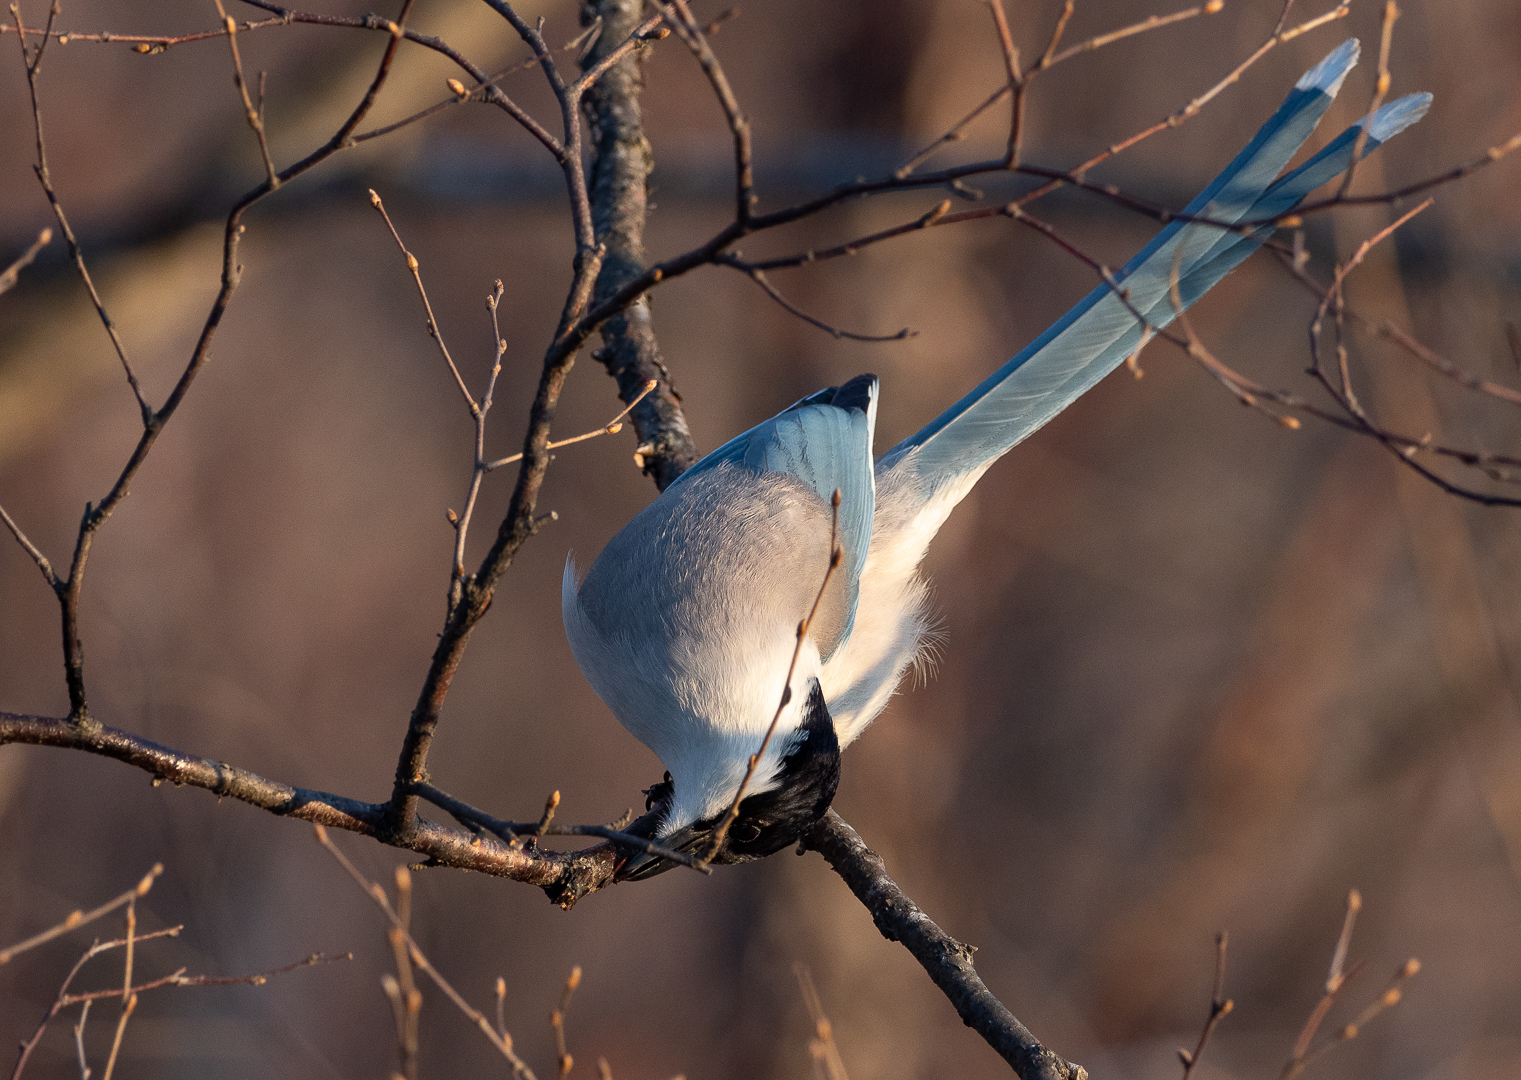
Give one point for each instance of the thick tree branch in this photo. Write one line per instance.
(565, 877)
(621, 165)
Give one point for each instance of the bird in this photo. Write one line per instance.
(690, 624)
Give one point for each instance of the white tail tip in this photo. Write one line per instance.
(1327, 76)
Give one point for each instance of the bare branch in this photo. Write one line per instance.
(827, 1063)
(33, 66)
(947, 961)
(759, 277)
(1056, 33)
(433, 330)
(12, 272)
(679, 17)
(557, 1022)
(77, 919)
(255, 116)
(612, 427)
(1220, 1007)
(31, 549)
(1151, 22)
(565, 877)
(503, 1043)
(1016, 81)
(514, 833)
(95, 516)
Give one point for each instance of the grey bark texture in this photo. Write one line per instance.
(621, 165)
(947, 961)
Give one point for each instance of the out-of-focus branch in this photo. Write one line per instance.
(620, 169)
(947, 961)
(13, 271)
(406, 949)
(1220, 1007)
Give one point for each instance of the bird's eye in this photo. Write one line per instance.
(747, 833)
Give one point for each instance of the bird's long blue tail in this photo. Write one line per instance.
(1094, 337)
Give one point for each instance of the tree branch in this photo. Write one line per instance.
(621, 165)
(947, 961)
(565, 877)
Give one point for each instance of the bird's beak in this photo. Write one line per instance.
(690, 840)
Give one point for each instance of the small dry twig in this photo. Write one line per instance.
(76, 919)
(502, 1041)
(827, 1063)
(9, 276)
(1220, 1007)
(255, 116)
(1302, 1054)
(557, 1022)
(128, 993)
(836, 556)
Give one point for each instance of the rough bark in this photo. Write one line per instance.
(947, 961)
(620, 170)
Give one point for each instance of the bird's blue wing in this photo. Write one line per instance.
(825, 441)
(1096, 335)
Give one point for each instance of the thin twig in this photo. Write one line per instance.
(146, 43)
(33, 64)
(757, 275)
(836, 556)
(1381, 90)
(77, 919)
(1220, 1007)
(612, 427)
(179, 978)
(406, 999)
(1152, 22)
(422, 291)
(1336, 980)
(1048, 59)
(948, 962)
(84, 1065)
(1385, 1001)
(31, 549)
(502, 1042)
(514, 832)
(679, 17)
(1016, 80)
(255, 116)
(12, 272)
(827, 1062)
(557, 1022)
(1056, 33)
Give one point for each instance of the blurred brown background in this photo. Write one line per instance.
(1200, 672)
